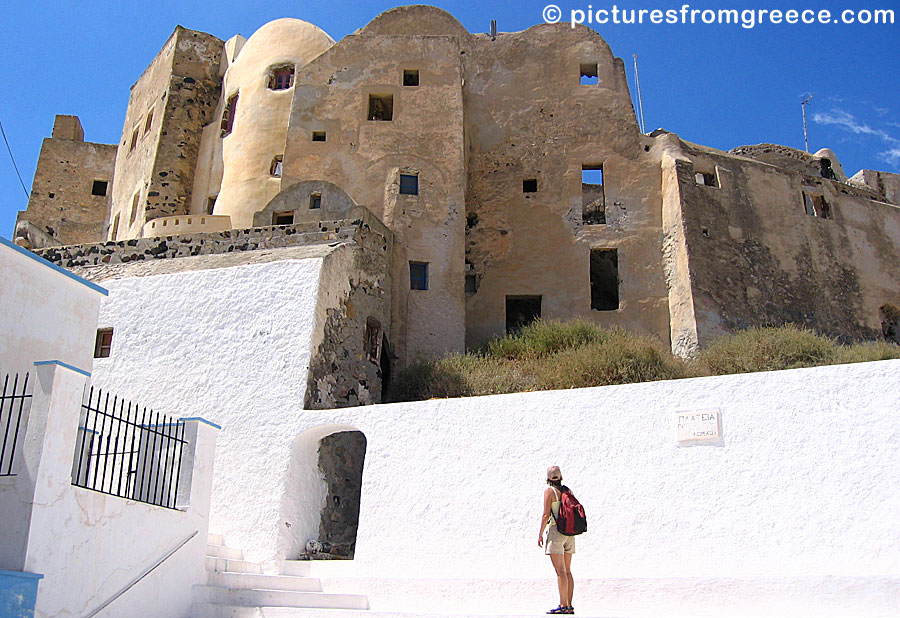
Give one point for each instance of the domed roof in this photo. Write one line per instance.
(285, 39)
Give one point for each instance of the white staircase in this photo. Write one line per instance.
(238, 589)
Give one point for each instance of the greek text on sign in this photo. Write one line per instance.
(698, 425)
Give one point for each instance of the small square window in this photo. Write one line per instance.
(381, 107)
(99, 187)
(409, 184)
(281, 78)
(816, 206)
(589, 74)
(315, 201)
(410, 77)
(283, 217)
(706, 179)
(276, 167)
(529, 185)
(418, 275)
(103, 344)
(318, 136)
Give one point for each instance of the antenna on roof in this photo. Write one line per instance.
(637, 80)
(803, 105)
(493, 29)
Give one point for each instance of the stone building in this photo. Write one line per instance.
(509, 174)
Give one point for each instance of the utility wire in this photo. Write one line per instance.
(11, 158)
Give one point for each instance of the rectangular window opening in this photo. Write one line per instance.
(281, 78)
(707, 179)
(103, 344)
(372, 343)
(276, 166)
(99, 187)
(134, 205)
(315, 201)
(283, 217)
(228, 115)
(593, 195)
(410, 77)
(521, 311)
(529, 185)
(134, 139)
(149, 122)
(816, 206)
(589, 74)
(318, 136)
(381, 107)
(418, 275)
(471, 284)
(409, 184)
(211, 204)
(604, 279)
(115, 228)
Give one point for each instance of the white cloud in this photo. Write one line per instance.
(891, 156)
(848, 122)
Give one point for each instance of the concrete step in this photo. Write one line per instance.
(252, 597)
(265, 582)
(215, 539)
(221, 551)
(208, 610)
(222, 565)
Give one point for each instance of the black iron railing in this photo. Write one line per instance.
(13, 415)
(127, 451)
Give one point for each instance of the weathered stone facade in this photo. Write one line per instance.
(511, 180)
(72, 186)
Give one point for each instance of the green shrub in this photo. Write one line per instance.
(543, 337)
(767, 349)
(867, 352)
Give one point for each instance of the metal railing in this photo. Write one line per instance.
(127, 451)
(12, 409)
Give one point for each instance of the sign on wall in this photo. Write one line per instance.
(698, 427)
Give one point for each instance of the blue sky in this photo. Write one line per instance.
(717, 85)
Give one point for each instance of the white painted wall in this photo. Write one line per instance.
(230, 345)
(45, 313)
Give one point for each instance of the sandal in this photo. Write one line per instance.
(558, 610)
(569, 610)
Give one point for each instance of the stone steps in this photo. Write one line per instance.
(265, 582)
(256, 598)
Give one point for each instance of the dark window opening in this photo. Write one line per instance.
(381, 107)
(385, 364)
(410, 77)
(409, 184)
(521, 311)
(704, 231)
(826, 170)
(276, 167)
(134, 138)
(372, 341)
(529, 185)
(593, 195)
(707, 179)
(318, 136)
(816, 206)
(283, 217)
(149, 122)
(471, 284)
(103, 344)
(211, 204)
(315, 201)
(589, 75)
(604, 279)
(281, 78)
(418, 275)
(115, 228)
(99, 187)
(229, 114)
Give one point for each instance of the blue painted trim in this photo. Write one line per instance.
(86, 374)
(55, 267)
(202, 420)
(24, 574)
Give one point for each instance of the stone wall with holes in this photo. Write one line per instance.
(341, 458)
(72, 186)
(759, 254)
(160, 247)
(167, 109)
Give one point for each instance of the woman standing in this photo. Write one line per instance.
(558, 546)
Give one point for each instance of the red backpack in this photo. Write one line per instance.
(571, 519)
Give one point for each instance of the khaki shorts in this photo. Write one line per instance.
(557, 543)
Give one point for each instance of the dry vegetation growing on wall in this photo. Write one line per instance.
(550, 355)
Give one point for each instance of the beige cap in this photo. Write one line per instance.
(553, 473)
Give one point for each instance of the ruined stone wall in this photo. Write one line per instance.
(167, 109)
(757, 258)
(61, 201)
(529, 117)
(366, 157)
(341, 458)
